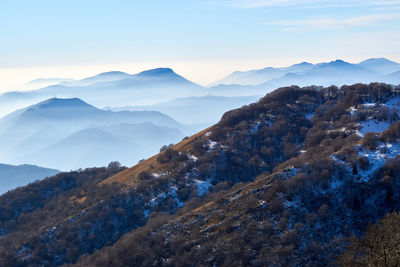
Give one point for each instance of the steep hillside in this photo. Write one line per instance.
(283, 181)
(340, 181)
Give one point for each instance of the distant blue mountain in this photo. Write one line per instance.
(395, 77)
(158, 73)
(257, 77)
(75, 110)
(337, 72)
(380, 65)
(27, 132)
(12, 177)
(126, 143)
(113, 88)
(197, 112)
(102, 77)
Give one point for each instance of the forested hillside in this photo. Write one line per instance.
(285, 181)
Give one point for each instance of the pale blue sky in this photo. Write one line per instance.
(204, 40)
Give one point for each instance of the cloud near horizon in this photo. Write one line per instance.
(320, 3)
(333, 23)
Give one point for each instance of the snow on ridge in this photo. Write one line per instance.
(374, 126)
(377, 158)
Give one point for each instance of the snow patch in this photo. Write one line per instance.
(146, 213)
(203, 186)
(192, 157)
(372, 126)
(335, 184)
(172, 192)
(377, 158)
(212, 145)
(310, 115)
(352, 110)
(394, 104)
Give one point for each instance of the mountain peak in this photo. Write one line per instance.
(338, 62)
(61, 102)
(381, 65)
(304, 63)
(378, 60)
(112, 74)
(158, 72)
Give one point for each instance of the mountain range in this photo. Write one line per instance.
(196, 113)
(86, 135)
(14, 176)
(110, 88)
(69, 134)
(294, 179)
(116, 89)
(337, 73)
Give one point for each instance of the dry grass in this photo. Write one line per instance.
(129, 176)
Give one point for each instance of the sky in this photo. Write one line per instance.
(203, 40)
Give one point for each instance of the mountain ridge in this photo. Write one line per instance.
(21, 175)
(26, 133)
(379, 66)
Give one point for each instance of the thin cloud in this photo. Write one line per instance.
(333, 23)
(305, 3)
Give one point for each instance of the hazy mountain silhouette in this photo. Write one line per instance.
(256, 77)
(196, 112)
(126, 143)
(380, 65)
(65, 122)
(336, 72)
(112, 88)
(14, 176)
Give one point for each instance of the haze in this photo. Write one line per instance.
(202, 40)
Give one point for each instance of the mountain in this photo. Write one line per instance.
(49, 80)
(125, 143)
(14, 176)
(256, 77)
(395, 77)
(380, 65)
(113, 88)
(44, 82)
(196, 112)
(336, 72)
(102, 77)
(58, 125)
(284, 181)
